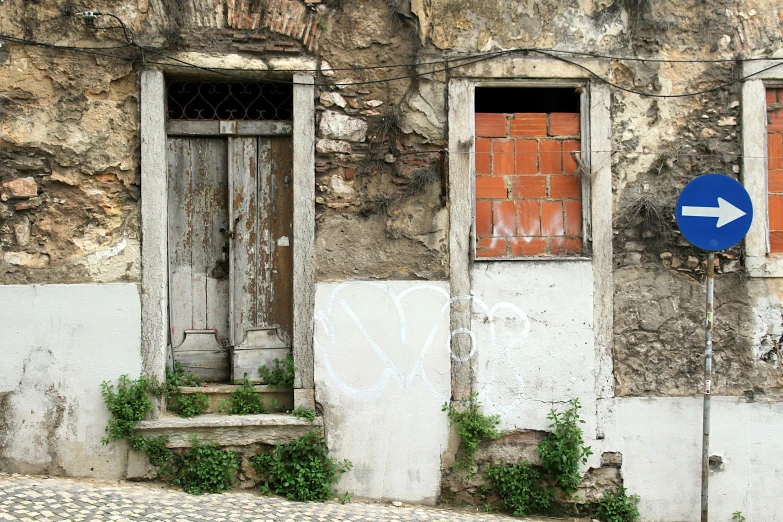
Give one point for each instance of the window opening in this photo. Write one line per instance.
(528, 188)
(205, 100)
(775, 168)
(526, 99)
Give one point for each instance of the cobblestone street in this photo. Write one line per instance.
(27, 498)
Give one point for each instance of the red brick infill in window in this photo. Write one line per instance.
(775, 168)
(528, 189)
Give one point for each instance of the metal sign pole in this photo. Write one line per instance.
(705, 441)
(703, 200)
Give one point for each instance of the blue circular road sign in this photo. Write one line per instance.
(714, 212)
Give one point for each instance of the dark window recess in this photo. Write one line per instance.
(524, 99)
(188, 100)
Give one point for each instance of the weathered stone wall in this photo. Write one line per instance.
(69, 148)
(659, 144)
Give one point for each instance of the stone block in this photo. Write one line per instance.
(332, 146)
(341, 127)
(304, 398)
(21, 188)
(329, 99)
(139, 467)
(26, 260)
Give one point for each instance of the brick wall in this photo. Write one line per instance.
(775, 166)
(528, 190)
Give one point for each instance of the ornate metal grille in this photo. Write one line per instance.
(205, 100)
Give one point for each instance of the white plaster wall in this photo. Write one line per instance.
(382, 374)
(58, 343)
(532, 324)
(660, 439)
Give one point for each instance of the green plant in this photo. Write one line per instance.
(616, 506)
(301, 469)
(281, 374)
(304, 413)
(155, 448)
(563, 449)
(184, 405)
(244, 401)
(179, 377)
(473, 427)
(345, 498)
(520, 488)
(188, 405)
(737, 516)
(205, 468)
(128, 405)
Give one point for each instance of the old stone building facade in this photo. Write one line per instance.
(423, 199)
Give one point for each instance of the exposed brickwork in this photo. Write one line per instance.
(775, 166)
(528, 189)
(288, 17)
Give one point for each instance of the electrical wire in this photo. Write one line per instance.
(185, 64)
(655, 95)
(129, 36)
(449, 64)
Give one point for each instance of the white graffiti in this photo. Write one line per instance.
(330, 343)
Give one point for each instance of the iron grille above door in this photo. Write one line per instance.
(248, 101)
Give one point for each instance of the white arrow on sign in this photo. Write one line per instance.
(725, 212)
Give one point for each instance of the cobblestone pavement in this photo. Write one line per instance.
(56, 499)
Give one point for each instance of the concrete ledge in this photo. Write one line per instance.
(228, 430)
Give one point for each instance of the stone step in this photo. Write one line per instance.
(216, 393)
(248, 435)
(228, 430)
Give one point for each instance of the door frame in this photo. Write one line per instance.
(154, 229)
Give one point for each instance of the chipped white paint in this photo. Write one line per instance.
(382, 370)
(59, 343)
(529, 361)
(26, 260)
(381, 343)
(660, 439)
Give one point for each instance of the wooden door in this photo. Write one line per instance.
(230, 212)
(261, 211)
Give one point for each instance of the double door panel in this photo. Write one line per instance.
(230, 212)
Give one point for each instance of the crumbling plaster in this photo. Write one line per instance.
(71, 123)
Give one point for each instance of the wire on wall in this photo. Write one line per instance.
(444, 65)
